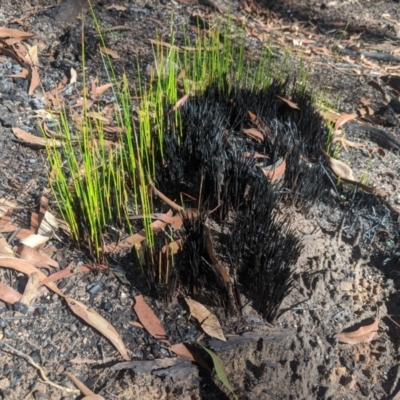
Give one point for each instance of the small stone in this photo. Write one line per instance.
(21, 307)
(4, 383)
(35, 357)
(346, 286)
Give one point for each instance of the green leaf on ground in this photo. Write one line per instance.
(219, 369)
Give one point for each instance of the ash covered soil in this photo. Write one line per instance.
(345, 277)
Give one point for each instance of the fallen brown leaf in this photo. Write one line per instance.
(31, 289)
(66, 272)
(26, 268)
(5, 249)
(35, 81)
(343, 119)
(101, 89)
(182, 351)
(254, 133)
(81, 386)
(8, 294)
(135, 239)
(6, 206)
(344, 142)
(378, 150)
(275, 171)
(137, 324)
(260, 125)
(288, 102)
(34, 140)
(173, 247)
(208, 321)
(362, 335)
(340, 169)
(95, 320)
(14, 33)
(180, 102)
(110, 52)
(39, 260)
(149, 320)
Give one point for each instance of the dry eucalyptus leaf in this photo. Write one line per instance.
(34, 240)
(91, 317)
(27, 268)
(208, 321)
(8, 294)
(66, 272)
(149, 320)
(39, 260)
(254, 133)
(362, 335)
(343, 119)
(110, 52)
(5, 248)
(31, 289)
(340, 169)
(34, 140)
(275, 171)
(180, 102)
(173, 247)
(6, 206)
(182, 351)
(14, 33)
(288, 102)
(81, 386)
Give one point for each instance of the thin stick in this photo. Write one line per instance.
(29, 360)
(166, 199)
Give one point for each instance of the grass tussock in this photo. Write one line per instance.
(102, 177)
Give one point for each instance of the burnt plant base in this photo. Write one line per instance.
(211, 164)
(208, 163)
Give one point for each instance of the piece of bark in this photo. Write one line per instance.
(235, 341)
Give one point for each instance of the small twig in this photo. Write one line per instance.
(166, 199)
(340, 230)
(393, 321)
(29, 360)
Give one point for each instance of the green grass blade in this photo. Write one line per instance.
(219, 369)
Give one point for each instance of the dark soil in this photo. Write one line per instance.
(339, 281)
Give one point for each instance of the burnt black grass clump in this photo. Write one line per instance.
(209, 145)
(208, 162)
(262, 248)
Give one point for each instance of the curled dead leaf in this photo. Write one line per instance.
(181, 350)
(275, 171)
(39, 260)
(8, 294)
(66, 272)
(27, 268)
(31, 289)
(208, 321)
(173, 247)
(180, 102)
(288, 102)
(363, 334)
(34, 140)
(378, 150)
(254, 133)
(340, 169)
(343, 119)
